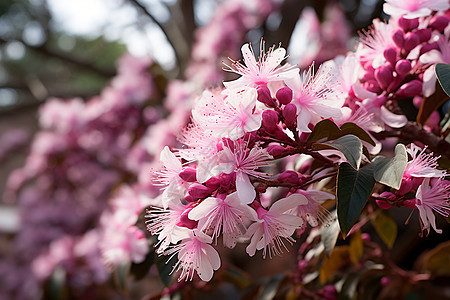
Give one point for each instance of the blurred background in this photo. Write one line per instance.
(90, 92)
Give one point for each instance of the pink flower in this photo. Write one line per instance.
(422, 164)
(429, 197)
(274, 225)
(312, 211)
(236, 157)
(261, 72)
(315, 97)
(194, 254)
(223, 215)
(411, 9)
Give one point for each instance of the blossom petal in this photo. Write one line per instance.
(391, 119)
(203, 209)
(244, 188)
(169, 160)
(288, 203)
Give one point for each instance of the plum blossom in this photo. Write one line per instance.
(432, 194)
(194, 255)
(315, 97)
(273, 225)
(255, 73)
(312, 211)
(223, 215)
(422, 164)
(411, 9)
(236, 157)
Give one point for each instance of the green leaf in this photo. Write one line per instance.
(356, 248)
(353, 190)
(140, 270)
(55, 285)
(443, 75)
(386, 228)
(327, 130)
(120, 276)
(165, 268)
(389, 171)
(431, 104)
(348, 289)
(437, 260)
(270, 288)
(329, 233)
(349, 145)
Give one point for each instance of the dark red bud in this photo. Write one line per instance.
(403, 67)
(290, 114)
(411, 41)
(288, 176)
(398, 38)
(188, 174)
(390, 54)
(424, 35)
(408, 24)
(410, 89)
(185, 221)
(199, 191)
(383, 204)
(284, 95)
(384, 76)
(428, 47)
(275, 149)
(270, 120)
(439, 23)
(264, 96)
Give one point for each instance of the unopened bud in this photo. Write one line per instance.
(288, 176)
(383, 204)
(390, 54)
(398, 38)
(199, 191)
(264, 96)
(410, 203)
(384, 76)
(439, 23)
(290, 114)
(402, 67)
(428, 47)
(270, 120)
(284, 95)
(372, 86)
(188, 174)
(411, 41)
(424, 35)
(184, 220)
(213, 183)
(275, 149)
(408, 24)
(410, 89)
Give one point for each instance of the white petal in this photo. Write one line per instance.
(275, 58)
(249, 57)
(391, 119)
(213, 256)
(244, 188)
(169, 160)
(257, 230)
(253, 123)
(303, 118)
(288, 203)
(203, 209)
(429, 82)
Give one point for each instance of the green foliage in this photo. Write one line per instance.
(389, 171)
(354, 188)
(55, 286)
(349, 145)
(385, 227)
(443, 75)
(437, 260)
(165, 268)
(327, 130)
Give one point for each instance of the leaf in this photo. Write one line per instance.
(327, 130)
(443, 75)
(329, 234)
(270, 288)
(235, 276)
(140, 270)
(55, 285)
(120, 276)
(389, 171)
(348, 289)
(353, 190)
(386, 228)
(165, 268)
(349, 145)
(356, 248)
(437, 260)
(431, 104)
(338, 258)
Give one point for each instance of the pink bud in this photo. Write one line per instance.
(410, 203)
(227, 179)
(439, 23)
(398, 38)
(424, 35)
(408, 24)
(411, 41)
(372, 86)
(410, 89)
(388, 195)
(288, 176)
(405, 187)
(275, 149)
(284, 95)
(428, 47)
(189, 198)
(384, 76)
(417, 101)
(270, 120)
(213, 183)
(365, 237)
(385, 280)
(188, 174)
(390, 54)
(402, 67)
(199, 191)
(290, 114)
(383, 204)
(264, 96)
(184, 221)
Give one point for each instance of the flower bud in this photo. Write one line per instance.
(275, 149)
(189, 198)
(213, 183)
(390, 54)
(398, 38)
(410, 89)
(424, 35)
(411, 41)
(379, 100)
(384, 76)
(383, 204)
(439, 23)
(408, 24)
(402, 67)
(264, 96)
(385, 281)
(410, 203)
(405, 187)
(199, 191)
(428, 47)
(288, 176)
(184, 221)
(284, 95)
(226, 179)
(188, 174)
(290, 114)
(372, 86)
(270, 120)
